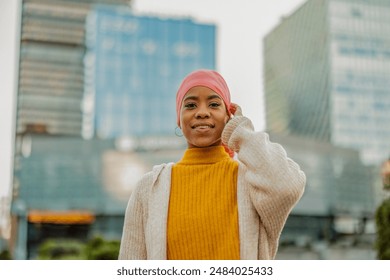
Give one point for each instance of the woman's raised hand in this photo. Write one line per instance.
(235, 110)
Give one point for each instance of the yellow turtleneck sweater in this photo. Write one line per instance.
(203, 215)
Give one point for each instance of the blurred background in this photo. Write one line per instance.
(88, 94)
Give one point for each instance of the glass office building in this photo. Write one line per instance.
(326, 75)
(135, 65)
(51, 77)
(86, 87)
(51, 103)
(339, 190)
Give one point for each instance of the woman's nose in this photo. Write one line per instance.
(202, 112)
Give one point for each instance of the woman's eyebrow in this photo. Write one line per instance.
(213, 96)
(194, 97)
(191, 97)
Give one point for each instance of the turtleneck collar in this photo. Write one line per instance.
(207, 155)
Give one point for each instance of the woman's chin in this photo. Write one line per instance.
(204, 144)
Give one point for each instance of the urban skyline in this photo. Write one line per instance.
(40, 156)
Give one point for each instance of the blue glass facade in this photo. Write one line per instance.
(135, 65)
(325, 84)
(326, 75)
(360, 70)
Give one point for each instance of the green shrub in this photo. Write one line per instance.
(5, 255)
(100, 249)
(61, 249)
(96, 248)
(382, 218)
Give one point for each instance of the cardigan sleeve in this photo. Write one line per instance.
(133, 245)
(276, 183)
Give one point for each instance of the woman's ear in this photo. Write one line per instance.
(235, 109)
(232, 109)
(227, 118)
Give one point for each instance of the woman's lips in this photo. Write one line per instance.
(202, 125)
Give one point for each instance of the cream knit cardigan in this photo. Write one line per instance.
(269, 184)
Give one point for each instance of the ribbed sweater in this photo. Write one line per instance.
(269, 184)
(203, 215)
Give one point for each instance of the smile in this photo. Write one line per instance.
(202, 126)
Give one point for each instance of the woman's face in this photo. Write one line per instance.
(203, 116)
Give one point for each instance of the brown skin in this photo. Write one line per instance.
(203, 116)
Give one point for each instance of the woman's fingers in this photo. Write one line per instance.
(235, 109)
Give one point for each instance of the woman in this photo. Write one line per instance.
(209, 205)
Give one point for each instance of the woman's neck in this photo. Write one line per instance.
(208, 155)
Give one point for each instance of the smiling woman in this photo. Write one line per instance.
(201, 109)
(203, 116)
(227, 198)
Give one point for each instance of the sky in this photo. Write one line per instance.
(241, 27)
(8, 58)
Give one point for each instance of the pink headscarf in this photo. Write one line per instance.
(203, 77)
(207, 78)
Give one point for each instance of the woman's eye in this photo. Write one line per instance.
(215, 104)
(190, 105)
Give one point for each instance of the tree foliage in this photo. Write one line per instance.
(5, 255)
(100, 249)
(61, 249)
(96, 248)
(382, 218)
